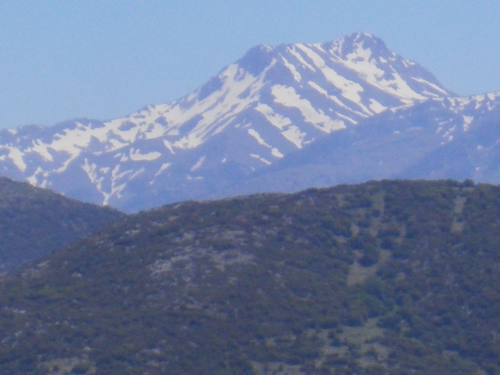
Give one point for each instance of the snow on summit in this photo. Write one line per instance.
(272, 101)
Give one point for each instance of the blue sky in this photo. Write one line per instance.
(104, 59)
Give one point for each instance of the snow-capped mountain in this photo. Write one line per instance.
(271, 102)
(452, 137)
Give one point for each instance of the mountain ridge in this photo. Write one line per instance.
(393, 144)
(254, 112)
(35, 221)
(387, 277)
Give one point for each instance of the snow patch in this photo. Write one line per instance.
(288, 97)
(91, 170)
(258, 138)
(467, 122)
(350, 89)
(276, 153)
(432, 85)
(136, 173)
(42, 149)
(291, 132)
(255, 156)
(135, 155)
(17, 158)
(198, 164)
(376, 106)
(299, 57)
(336, 100)
(354, 122)
(296, 75)
(163, 167)
(169, 146)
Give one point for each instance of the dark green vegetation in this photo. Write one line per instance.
(391, 277)
(35, 221)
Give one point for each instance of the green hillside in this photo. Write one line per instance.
(390, 277)
(35, 221)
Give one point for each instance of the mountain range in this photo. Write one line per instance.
(279, 119)
(385, 277)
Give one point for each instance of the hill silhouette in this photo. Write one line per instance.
(35, 221)
(389, 277)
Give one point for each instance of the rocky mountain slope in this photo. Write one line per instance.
(391, 277)
(259, 109)
(34, 221)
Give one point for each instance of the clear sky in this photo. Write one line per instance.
(103, 59)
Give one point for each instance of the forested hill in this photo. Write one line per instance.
(35, 221)
(390, 277)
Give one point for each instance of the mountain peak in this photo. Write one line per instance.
(361, 37)
(357, 37)
(256, 59)
(356, 42)
(269, 103)
(259, 57)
